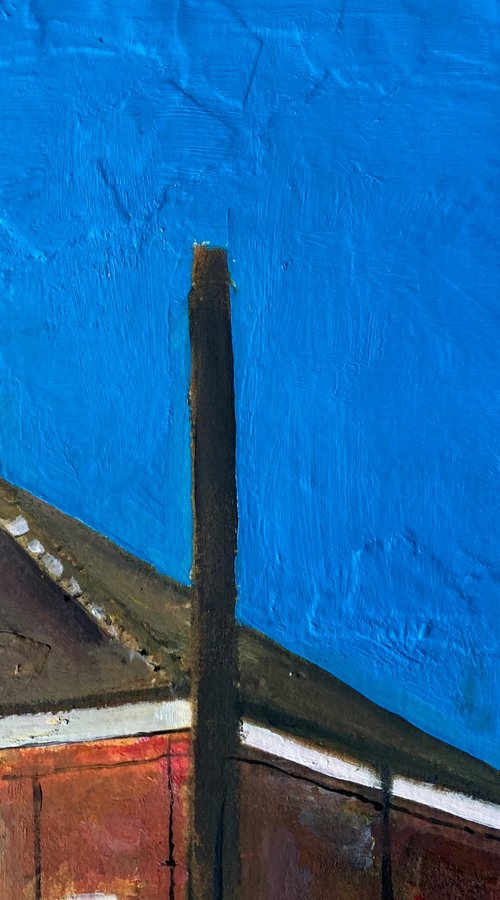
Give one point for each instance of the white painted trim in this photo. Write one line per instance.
(324, 763)
(279, 745)
(78, 725)
(468, 808)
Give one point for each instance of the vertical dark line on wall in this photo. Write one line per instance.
(171, 843)
(37, 813)
(387, 888)
(216, 714)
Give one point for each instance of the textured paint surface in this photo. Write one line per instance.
(110, 820)
(302, 842)
(345, 154)
(431, 862)
(96, 724)
(16, 839)
(311, 842)
(51, 652)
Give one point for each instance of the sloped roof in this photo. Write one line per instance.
(290, 694)
(117, 630)
(113, 625)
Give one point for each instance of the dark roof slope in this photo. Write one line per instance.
(51, 652)
(118, 630)
(288, 693)
(136, 621)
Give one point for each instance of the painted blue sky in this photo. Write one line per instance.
(347, 156)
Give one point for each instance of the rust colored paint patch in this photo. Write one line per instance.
(106, 831)
(17, 841)
(302, 842)
(435, 862)
(33, 761)
(180, 744)
(179, 766)
(108, 818)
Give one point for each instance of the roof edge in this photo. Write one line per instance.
(126, 597)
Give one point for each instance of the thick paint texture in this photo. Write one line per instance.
(346, 154)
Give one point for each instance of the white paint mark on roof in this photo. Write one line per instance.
(53, 565)
(74, 589)
(36, 547)
(57, 720)
(77, 725)
(282, 746)
(17, 527)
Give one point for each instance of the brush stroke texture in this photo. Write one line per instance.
(346, 154)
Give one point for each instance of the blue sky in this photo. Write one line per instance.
(347, 159)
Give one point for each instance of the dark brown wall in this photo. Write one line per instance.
(442, 862)
(303, 841)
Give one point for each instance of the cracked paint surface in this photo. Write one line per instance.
(346, 155)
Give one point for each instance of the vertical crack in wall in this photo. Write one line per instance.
(37, 849)
(171, 843)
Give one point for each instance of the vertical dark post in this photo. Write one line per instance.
(214, 852)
